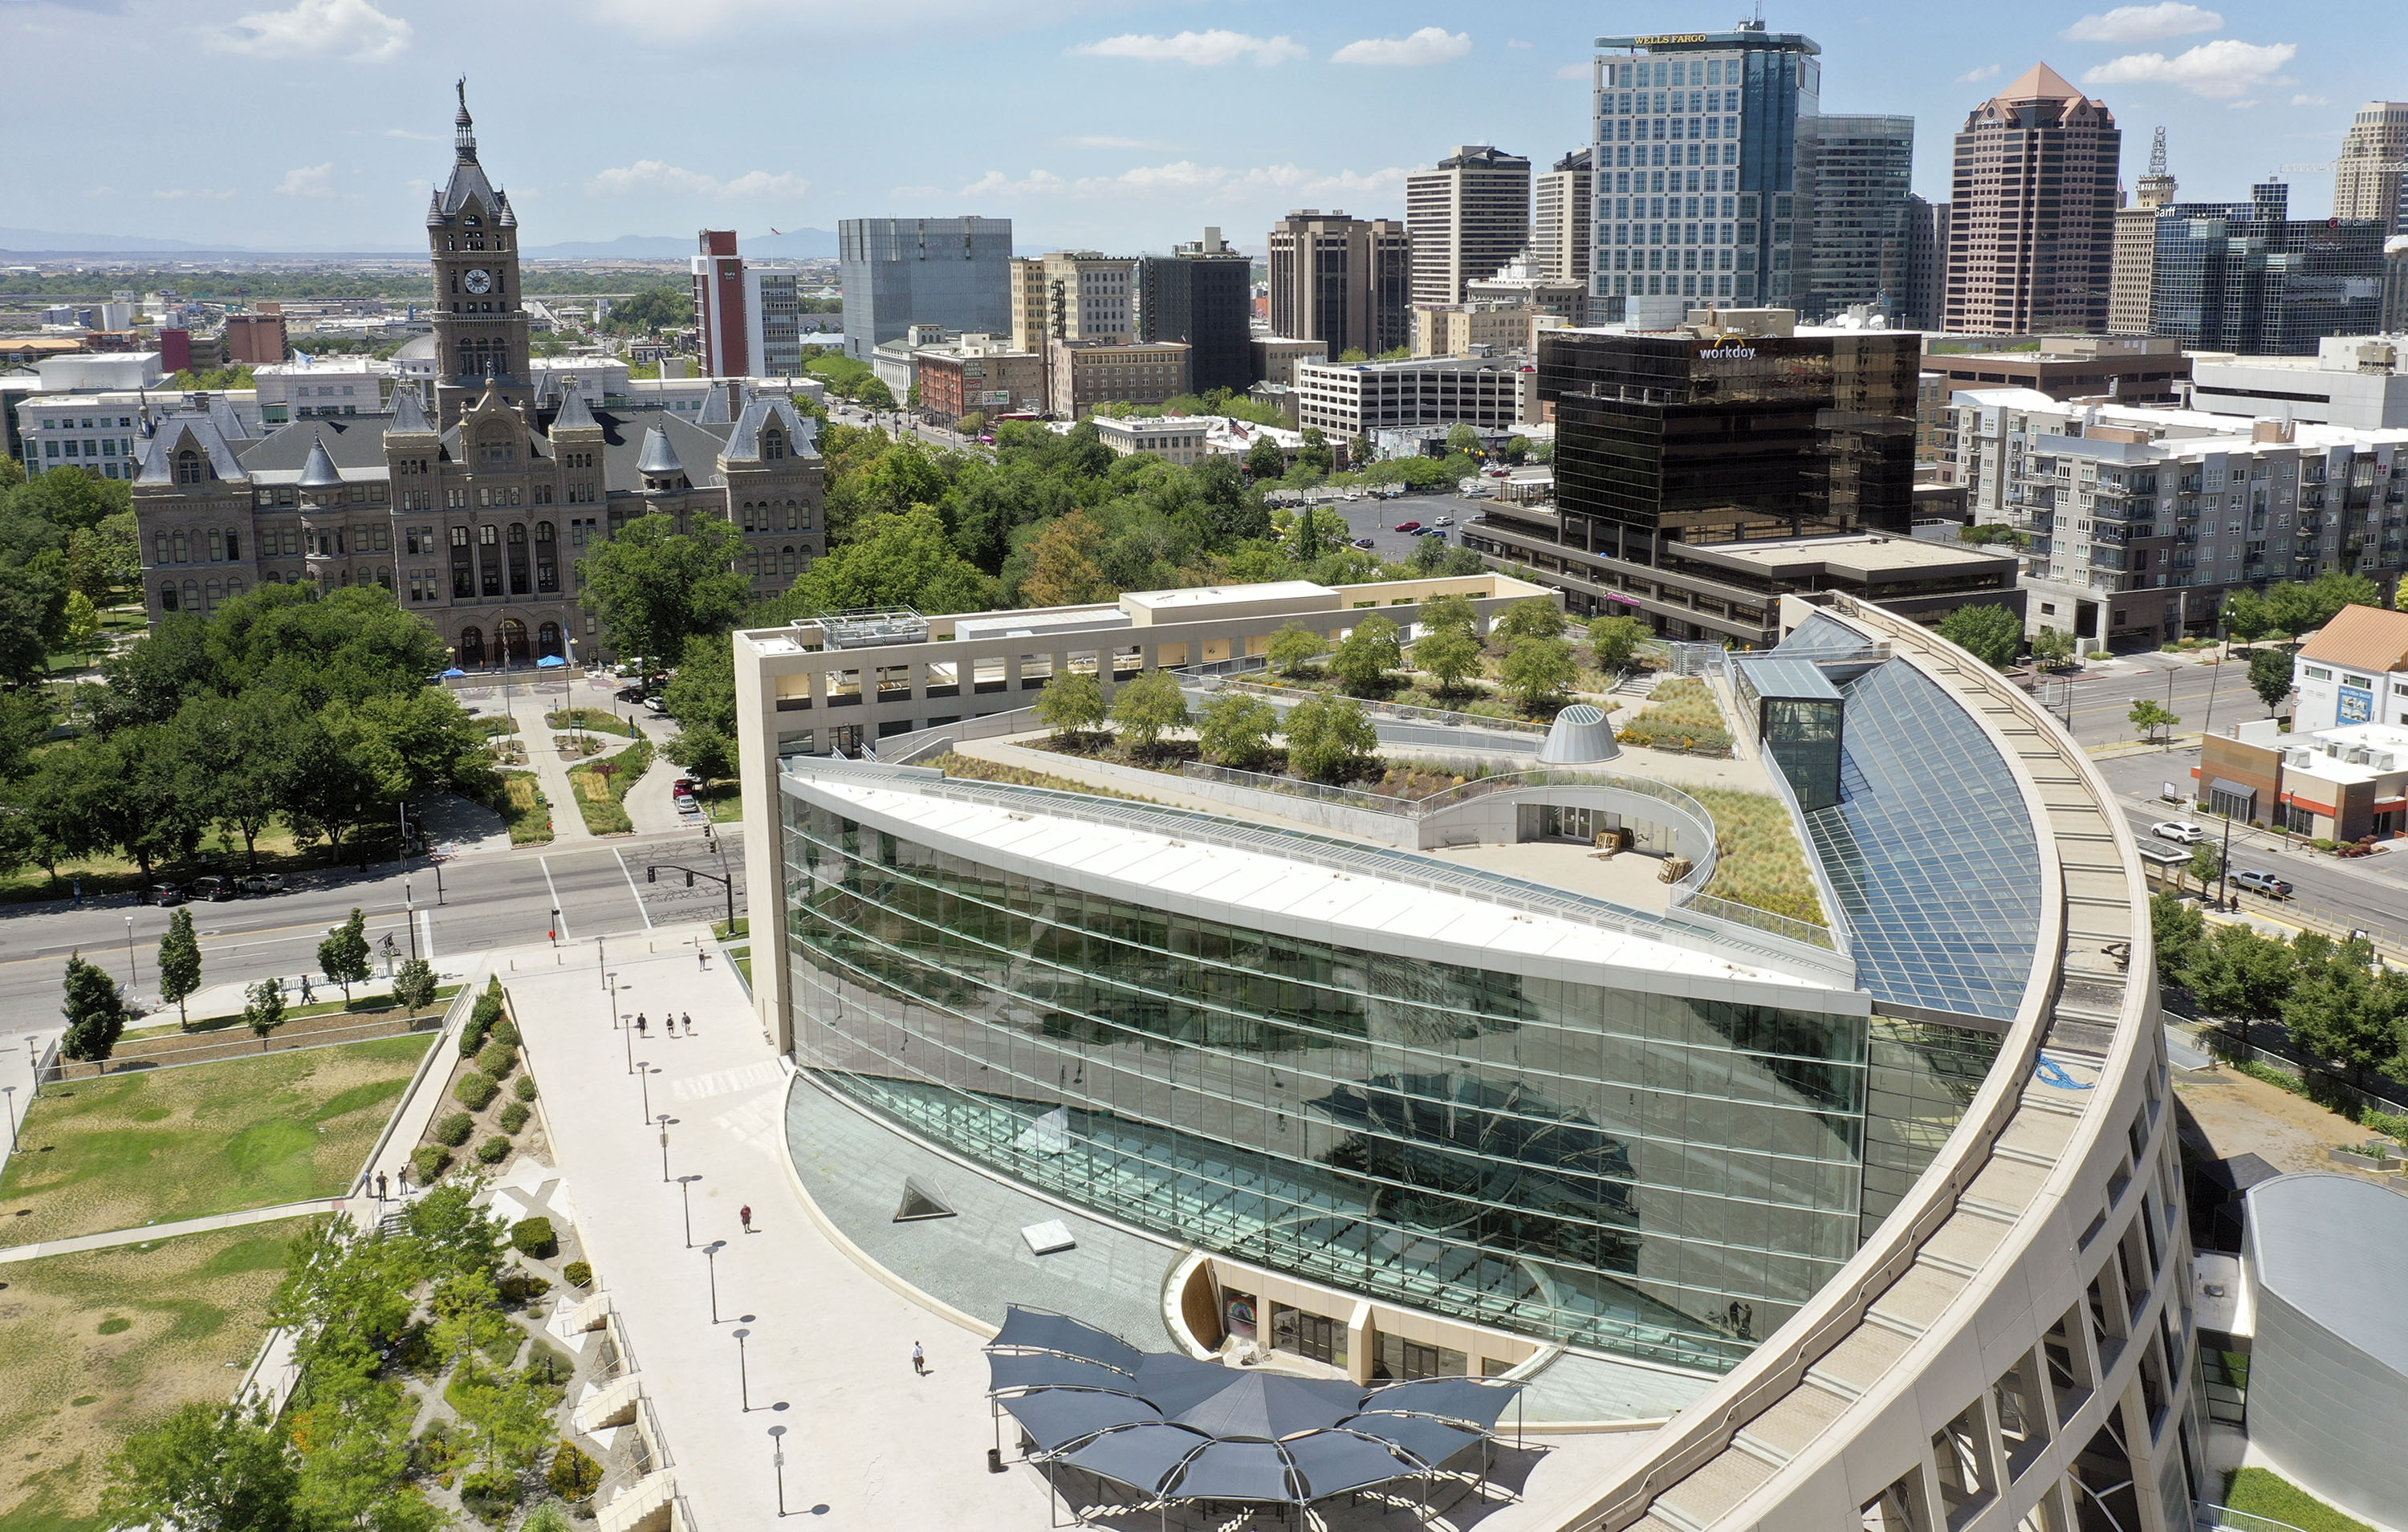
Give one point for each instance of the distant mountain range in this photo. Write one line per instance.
(794, 243)
(30, 240)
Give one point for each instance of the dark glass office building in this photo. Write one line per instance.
(1203, 298)
(2247, 276)
(1667, 445)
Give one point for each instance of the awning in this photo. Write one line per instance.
(2229, 788)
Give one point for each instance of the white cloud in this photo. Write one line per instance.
(1575, 71)
(1516, 42)
(419, 138)
(191, 194)
(308, 180)
(1430, 45)
(1202, 49)
(2143, 24)
(1189, 180)
(2224, 68)
(658, 176)
(2310, 101)
(1974, 77)
(317, 29)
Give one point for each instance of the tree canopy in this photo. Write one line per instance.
(654, 587)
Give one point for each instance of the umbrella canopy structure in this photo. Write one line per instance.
(1175, 1429)
(550, 662)
(454, 673)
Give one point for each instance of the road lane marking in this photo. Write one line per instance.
(632, 889)
(559, 918)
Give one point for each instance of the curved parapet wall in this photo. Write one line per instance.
(2011, 1345)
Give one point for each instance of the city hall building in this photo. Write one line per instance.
(1867, 1220)
(472, 512)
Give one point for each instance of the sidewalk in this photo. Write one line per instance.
(867, 1443)
(551, 772)
(149, 1232)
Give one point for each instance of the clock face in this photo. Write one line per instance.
(480, 280)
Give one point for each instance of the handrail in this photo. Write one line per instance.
(2210, 1517)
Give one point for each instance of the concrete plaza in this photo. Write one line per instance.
(868, 1444)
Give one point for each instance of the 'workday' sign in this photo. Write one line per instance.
(1728, 353)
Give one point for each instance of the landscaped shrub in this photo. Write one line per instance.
(517, 1286)
(579, 1273)
(492, 1150)
(430, 1162)
(550, 1516)
(514, 1117)
(476, 1092)
(490, 1494)
(506, 1032)
(454, 1129)
(533, 1236)
(480, 1021)
(574, 1475)
(524, 1088)
(498, 1059)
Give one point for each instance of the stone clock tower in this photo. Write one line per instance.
(480, 332)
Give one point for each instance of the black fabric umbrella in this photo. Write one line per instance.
(1238, 1470)
(1334, 1462)
(1044, 1369)
(1142, 1456)
(1432, 1441)
(1477, 1403)
(1055, 1417)
(1034, 1329)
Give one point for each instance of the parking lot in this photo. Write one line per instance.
(1378, 518)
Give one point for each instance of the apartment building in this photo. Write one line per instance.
(1358, 398)
(984, 373)
(749, 317)
(2032, 211)
(1080, 375)
(1713, 117)
(1460, 329)
(2140, 520)
(1082, 296)
(1274, 357)
(1563, 221)
(1467, 215)
(1346, 282)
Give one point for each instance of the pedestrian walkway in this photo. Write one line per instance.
(551, 771)
(149, 1232)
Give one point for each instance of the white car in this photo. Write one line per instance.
(1443, 521)
(2178, 830)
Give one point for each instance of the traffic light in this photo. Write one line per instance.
(652, 875)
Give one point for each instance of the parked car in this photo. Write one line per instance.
(681, 788)
(213, 888)
(631, 693)
(1409, 526)
(1362, 542)
(2178, 830)
(1443, 521)
(2264, 882)
(655, 705)
(265, 883)
(166, 896)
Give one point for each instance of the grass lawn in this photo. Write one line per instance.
(223, 851)
(723, 803)
(2262, 1493)
(602, 794)
(365, 1004)
(161, 1145)
(99, 1344)
(592, 719)
(523, 809)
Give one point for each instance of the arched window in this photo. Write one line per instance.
(273, 577)
(188, 466)
(472, 646)
(788, 555)
(510, 637)
(234, 588)
(167, 597)
(217, 545)
(748, 516)
(753, 564)
(216, 594)
(543, 531)
(794, 517)
(182, 550)
(192, 595)
(547, 639)
(234, 543)
(773, 444)
(517, 535)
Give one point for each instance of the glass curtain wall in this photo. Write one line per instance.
(1659, 1176)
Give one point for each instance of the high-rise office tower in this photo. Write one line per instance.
(2031, 238)
(1073, 294)
(1563, 218)
(1855, 177)
(749, 317)
(898, 272)
(2247, 276)
(2135, 261)
(1926, 262)
(1696, 164)
(2371, 175)
(1201, 294)
(1344, 282)
(1469, 214)
(2395, 284)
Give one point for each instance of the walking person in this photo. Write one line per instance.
(640, 1024)
(380, 1186)
(744, 1214)
(689, 1021)
(919, 1360)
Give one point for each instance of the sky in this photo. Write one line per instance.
(1123, 124)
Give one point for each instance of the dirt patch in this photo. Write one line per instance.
(182, 1318)
(2242, 1115)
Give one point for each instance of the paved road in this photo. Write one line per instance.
(2101, 698)
(487, 901)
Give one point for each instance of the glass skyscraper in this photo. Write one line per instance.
(1697, 170)
(2247, 276)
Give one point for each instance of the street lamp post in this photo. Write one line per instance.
(664, 1121)
(778, 1461)
(410, 916)
(628, 1033)
(743, 1381)
(644, 1084)
(10, 1092)
(710, 1253)
(685, 1189)
(132, 977)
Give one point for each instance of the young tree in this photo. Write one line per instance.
(2176, 930)
(1235, 730)
(1461, 437)
(2149, 716)
(1149, 708)
(1447, 611)
(2270, 676)
(83, 623)
(1368, 654)
(1537, 618)
(1292, 648)
(2339, 1009)
(1265, 460)
(343, 956)
(1071, 704)
(1991, 635)
(1536, 670)
(1314, 453)
(263, 1009)
(2246, 616)
(95, 1014)
(413, 984)
(896, 559)
(2240, 974)
(1613, 641)
(1449, 655)
(2051, 649)
(2206, 864)
(1327, 735)
(180, 964)
(208, 1468)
